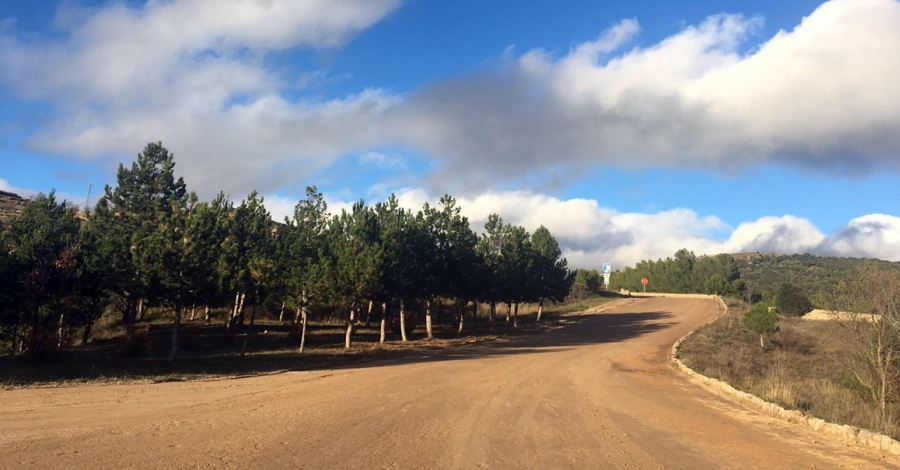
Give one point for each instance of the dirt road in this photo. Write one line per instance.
(597, 393)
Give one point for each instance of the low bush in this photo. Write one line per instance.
(137, 342)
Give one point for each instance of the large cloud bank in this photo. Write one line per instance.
(591, 234)
(197, 74)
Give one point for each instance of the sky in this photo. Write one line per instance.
(629, 129)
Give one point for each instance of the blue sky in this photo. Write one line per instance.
(630, 129)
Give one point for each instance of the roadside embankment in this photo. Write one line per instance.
(847, 434)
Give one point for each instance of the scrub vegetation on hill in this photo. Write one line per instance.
(814, 275)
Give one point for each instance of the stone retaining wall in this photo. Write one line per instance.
(844, 433)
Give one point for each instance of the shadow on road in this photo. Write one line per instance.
(272, 353)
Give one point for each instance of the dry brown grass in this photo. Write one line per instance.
(800, 367)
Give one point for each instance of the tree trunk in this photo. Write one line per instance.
(383, 323)
(761, 344)
(475, 317)
(130, 314)
(193, 311)
(86, 335)
(540, 309)
(302, 306)
(516, 316)
(140, 311)
(15, 336)
(369, 314)
(348, 338)
(281, 313)
(493, 315)
(303, 322)
(249, 332)
(402, 321)
(428, 319)
(175, 324)
(229, 323)
(241, 309)
(59, 331)
(207, 318)
(508, 314)
(462, 318)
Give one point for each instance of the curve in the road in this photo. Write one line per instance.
(597, 393)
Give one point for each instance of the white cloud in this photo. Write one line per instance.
(872, 236)
(591, 234)
(22, 192)
(820, 96)
(194, 74)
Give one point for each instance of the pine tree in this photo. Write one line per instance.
(452, 254)
(128, 217)
(41, 243)
(303, 256)
(353, 242)
(516, 261)
(550, 278)
(492, 272)
(401, 259)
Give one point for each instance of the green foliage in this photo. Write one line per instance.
(151, 242)
(685, 273)
(815, 275)
(302, 250)
(41, 261)
(760, 319)
(790, 300)
(129, 220)
(591, 278)
(716, 284)
(353, 244)
(550, 276)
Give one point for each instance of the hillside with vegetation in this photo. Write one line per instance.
(11, 205)
(814, 275)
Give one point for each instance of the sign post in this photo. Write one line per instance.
(645, 281)
(607, 270)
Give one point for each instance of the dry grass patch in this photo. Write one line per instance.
(799, 368)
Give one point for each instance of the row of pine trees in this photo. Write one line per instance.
(684, 273)
(148, 241)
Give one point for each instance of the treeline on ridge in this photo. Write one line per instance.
(815, 275)
(151, 242)
(686, 273)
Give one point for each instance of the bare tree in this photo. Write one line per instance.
(869, 303)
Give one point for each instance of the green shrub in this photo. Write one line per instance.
(760, 319)
(790, 300)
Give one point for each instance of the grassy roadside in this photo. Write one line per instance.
(208, 354)
(800, 367)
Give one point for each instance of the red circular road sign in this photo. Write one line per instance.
(644, 281)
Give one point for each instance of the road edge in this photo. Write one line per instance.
(844, 433)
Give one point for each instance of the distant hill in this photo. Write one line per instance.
(11, 205)
(766, 271)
